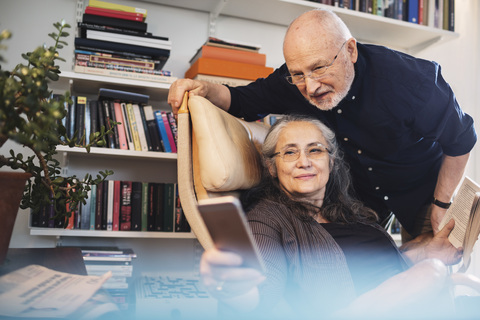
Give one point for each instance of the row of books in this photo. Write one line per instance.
(100, 260)
(123, 206)
(433, 13)
(116, 43)
(228, 62)
(139, 127)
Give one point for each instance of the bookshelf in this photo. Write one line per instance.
(366, 27)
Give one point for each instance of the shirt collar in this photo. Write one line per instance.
(359, 67)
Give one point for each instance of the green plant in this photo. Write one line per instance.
(32, 118)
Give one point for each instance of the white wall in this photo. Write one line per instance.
(31, 20)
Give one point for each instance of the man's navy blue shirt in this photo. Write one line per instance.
(397, 121)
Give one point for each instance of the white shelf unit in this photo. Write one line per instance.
(365, 27)
(127, 164)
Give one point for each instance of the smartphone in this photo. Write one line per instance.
(226, 222)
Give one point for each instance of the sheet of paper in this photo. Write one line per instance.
(36, 291)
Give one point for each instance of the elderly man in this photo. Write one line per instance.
(404, 136)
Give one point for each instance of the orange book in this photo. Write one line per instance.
(224, 68)
(243, 56)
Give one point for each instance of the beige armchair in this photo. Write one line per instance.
(218, 154)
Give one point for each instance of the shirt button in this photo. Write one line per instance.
(359, 151)
(385, 198)
(345, 139)
(353, 97)
(339, 111)
(377, 188)
(370, 169)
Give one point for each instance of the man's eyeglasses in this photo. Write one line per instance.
(315, 74)
(312, 152)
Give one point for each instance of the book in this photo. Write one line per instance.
(126, 96)
(122, 138)
(221, 53)
(112, 47)
(115, 6)
(137, 198)
(465, 210)
(99, 207)
(80, 119)
(93, 206)
(94, 125)
(158, 207)
(152, 198)
(162, 131)
(225, 68)
(145, 206)
(212, 41)
(140, 128)
(232, 82)
(168, 129)
(168, 207)
(133, 127)
(145, 128)
(105, 105)
(105, 205)
(413, 14)
(116, 23)
(173, 125)
(116, 205)
(181, 223)
(114, 13)
(128, 59)
(128, 132)
(85, 211)
(126, 206)
(109, 62)
(146, 40)
(157, 144)
(132, 75)
(111, 192)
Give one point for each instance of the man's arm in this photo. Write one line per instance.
(218, 94)
(450, 174)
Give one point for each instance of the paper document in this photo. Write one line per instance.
(36, 291)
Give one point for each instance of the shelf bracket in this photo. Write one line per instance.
(212, 21)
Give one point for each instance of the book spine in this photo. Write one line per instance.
(116, 206)
(111, 62)
(140, 128)
(110, 205)
(121, 47)
(93, 207)
(136, 206)
(132, 41)
(145, 129)
(173, 126)
(152, 128)
(122, 138)
(114, 22)
(231, 55)
(133, 127)
(145, 206)
(168, 207)
(113, 14)
(80, 119)
(159, 207)
(85, 212)
(108, 124)
(99, 209)
(124, 74)
(126, 206)
(71, 118)
(152, 201)
(171, 140)
(128, 133)
(119, 7)
(111, 110)
(162, 130)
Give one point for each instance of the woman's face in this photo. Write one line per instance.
(303, 178)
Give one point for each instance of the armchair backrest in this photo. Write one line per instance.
(218, 154)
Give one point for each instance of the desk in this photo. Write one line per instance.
(60, 259)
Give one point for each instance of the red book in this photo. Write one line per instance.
(114, 13)
(116, 206)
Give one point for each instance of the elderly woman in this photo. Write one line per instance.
(321, 246)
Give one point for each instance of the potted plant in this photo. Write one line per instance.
(30, 117)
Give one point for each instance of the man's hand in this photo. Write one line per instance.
(427, 246)
(178, 89)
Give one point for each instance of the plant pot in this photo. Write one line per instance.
(12, 185)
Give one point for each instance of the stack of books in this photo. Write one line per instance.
(113, 41)
(230, 63)
(99, 261)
